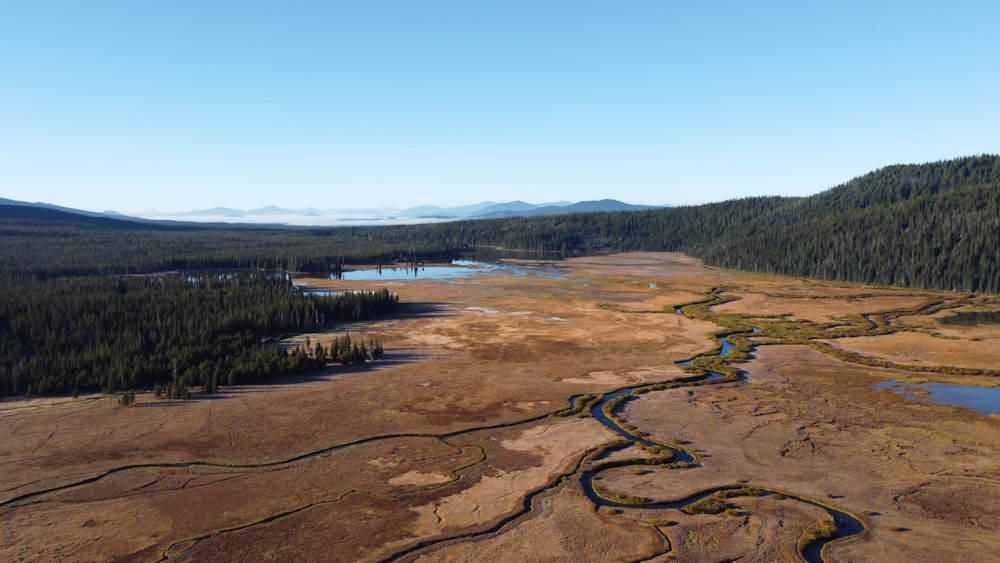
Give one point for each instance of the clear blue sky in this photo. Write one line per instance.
(174, 105)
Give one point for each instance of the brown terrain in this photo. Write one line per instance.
(476, 436)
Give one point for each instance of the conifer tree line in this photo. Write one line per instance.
(929, 225)
(934, 226)
(344, 351)
(167, 332)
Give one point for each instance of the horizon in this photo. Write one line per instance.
(386, 214)
(316, 217)
(173, 107)
(272, 214)
(271, 208)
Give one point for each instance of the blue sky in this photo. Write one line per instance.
(179, 105)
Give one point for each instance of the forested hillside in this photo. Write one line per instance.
(929, 225)
(69, 319)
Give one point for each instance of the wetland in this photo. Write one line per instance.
(633, 407)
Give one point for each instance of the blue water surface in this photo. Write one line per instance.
(984, 400)
(457, 269)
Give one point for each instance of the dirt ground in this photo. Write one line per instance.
(460, 443)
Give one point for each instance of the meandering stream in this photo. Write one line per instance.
(846, 524)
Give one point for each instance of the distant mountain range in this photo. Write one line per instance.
(332, 217)
(49, 206)
(10, 208)
(479, 210)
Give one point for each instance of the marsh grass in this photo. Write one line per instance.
(817, 531)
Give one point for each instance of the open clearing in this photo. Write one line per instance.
(458, 445)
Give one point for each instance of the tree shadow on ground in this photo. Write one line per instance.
(391, 358)
(424, 310)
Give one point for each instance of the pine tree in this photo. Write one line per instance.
(320, 354)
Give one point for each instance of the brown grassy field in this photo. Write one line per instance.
(461, 443)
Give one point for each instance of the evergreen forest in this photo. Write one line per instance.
(169, 332)
(98, 303)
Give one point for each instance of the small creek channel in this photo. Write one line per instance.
(846, 524)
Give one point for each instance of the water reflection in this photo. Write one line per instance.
(984, 400)
(972, 318)
(457, 269)
(321, 292)
(403, 273)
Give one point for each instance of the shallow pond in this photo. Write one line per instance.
(984, 400)
(972, 318)
(404, 273)
(457, 269)
(321, 292)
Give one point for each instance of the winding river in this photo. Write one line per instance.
(605, 409)
(846, 524)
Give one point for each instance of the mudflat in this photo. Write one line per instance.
(475, 437)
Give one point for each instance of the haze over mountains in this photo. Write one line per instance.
(933, 225)
(312, 216)
(388, 215)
